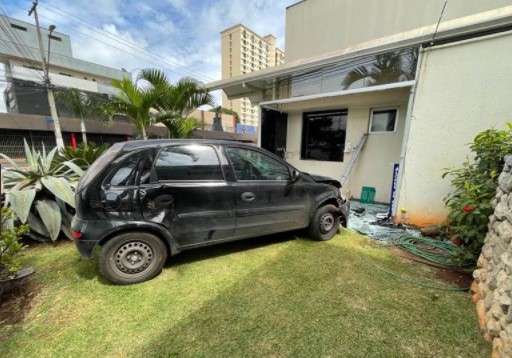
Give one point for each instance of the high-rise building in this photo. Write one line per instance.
(244, 51)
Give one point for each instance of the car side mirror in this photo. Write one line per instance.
(295, 176)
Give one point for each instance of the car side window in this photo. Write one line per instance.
(125, 172)
(188, 162)
(253, 165)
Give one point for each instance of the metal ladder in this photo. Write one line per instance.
(353, 159)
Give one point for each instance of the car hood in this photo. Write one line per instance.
(326, 180)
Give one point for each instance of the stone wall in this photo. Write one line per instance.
(493, 278)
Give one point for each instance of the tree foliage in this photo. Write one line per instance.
(153, 98)
(83, 106)
(385, 68)
(228, 111)
(474, 186)
(10, 245)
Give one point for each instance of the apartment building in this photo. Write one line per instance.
(25, 104)
(244, 51)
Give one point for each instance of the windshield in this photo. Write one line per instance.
(98, 165)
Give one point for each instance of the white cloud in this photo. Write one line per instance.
(184, 33)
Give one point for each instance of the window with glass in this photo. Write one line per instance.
(188, 162)
(252, 165)
(383, 120)
(125, 172)
(323, 135)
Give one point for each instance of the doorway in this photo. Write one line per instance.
(274, 125)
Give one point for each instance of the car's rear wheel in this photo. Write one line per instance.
(132, 258)
(324, 224)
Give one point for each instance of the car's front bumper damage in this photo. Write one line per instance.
(344, 211)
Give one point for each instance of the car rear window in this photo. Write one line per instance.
(99, 164)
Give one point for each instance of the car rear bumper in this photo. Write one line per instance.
(85, 243)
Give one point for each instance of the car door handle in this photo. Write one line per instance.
(248, 196)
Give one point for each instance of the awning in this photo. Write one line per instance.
(253, 84)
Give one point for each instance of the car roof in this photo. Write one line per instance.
(151, 143)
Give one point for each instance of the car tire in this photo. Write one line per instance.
(324, 223)
(133, 257)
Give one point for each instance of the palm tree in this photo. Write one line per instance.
(152, 98)
(385, 68)
(177, 101)
(82, 105)
(134, 102)
(225, 110)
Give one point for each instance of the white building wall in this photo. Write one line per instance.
(316, 27)
(463, 89)
(374, 166)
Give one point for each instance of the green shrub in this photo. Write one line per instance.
(83, 155)
(42, 195)
(10, 245)
(474, 186)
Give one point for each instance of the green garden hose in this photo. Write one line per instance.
(437, 251)
(432, 250)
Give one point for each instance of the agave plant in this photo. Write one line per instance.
(42, 194)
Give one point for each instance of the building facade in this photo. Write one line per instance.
(415, 82)
(24, 92)
(243, 51)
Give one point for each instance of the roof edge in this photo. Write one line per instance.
(448, 29)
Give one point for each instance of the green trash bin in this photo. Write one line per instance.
(367, 195)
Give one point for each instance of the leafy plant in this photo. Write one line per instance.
(224, 110)
(474, 186)
(83, 155)
(42, 194)
(152, 98)
(10, 245)
(83, 105)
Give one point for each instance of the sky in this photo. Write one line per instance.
(183, 35)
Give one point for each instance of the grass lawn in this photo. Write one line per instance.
(269, 297)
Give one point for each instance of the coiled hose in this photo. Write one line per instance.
(436, 251)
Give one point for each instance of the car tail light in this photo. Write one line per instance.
(76, 234)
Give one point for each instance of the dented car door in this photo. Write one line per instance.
(189, 195)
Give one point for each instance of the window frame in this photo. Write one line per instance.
(154, 174)
(304, 134)
(118, 163)
(383, 109)
(277, 159)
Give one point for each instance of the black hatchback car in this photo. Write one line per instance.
(143, 201)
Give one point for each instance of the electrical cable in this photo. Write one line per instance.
(182, 73)
(70, 16)
(436, 251)
(18, 41)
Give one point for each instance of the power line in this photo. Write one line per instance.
(70, 16)
(17, 40)
(108, 44)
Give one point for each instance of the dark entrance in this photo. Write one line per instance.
(273, 131)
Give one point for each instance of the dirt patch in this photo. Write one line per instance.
(454, 277)
(14, 305)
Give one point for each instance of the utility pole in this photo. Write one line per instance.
(49, 90)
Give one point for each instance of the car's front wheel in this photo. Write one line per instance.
(324, 224)
(132, 258)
